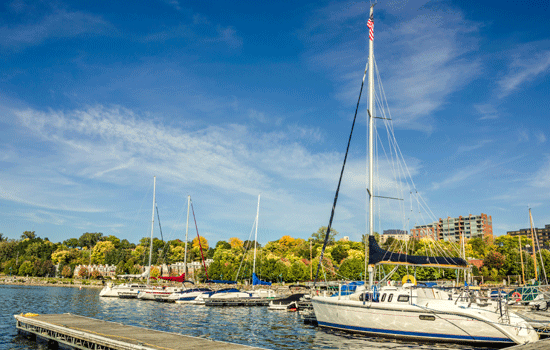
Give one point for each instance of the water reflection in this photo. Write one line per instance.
(253, 326)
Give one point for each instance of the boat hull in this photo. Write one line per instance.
(412, 323)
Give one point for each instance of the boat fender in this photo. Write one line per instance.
(516, 296)
(29, 314)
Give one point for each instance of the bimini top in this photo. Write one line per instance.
(378, 255)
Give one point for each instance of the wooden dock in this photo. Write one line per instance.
(88, 333)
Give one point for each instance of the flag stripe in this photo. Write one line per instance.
(370, 24)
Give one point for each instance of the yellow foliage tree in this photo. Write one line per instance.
(235, 242)
(177, 253)
(204, 243)
(99, 251)
(286, 241)
(155, 272)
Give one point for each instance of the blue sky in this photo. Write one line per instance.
(224, 100)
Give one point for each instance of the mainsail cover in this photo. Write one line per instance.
(378, 255)
(257, 282)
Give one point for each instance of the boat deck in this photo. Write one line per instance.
(88, 333)
(237, 302)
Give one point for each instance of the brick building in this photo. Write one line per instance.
(452, 229)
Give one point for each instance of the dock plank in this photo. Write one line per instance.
(543, 344)
(117, 335)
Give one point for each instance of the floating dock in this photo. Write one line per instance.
(88, 333)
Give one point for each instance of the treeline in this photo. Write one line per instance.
(286, 259)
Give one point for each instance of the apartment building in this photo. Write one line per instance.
(543, 234)
(452, 229)
(396, 234)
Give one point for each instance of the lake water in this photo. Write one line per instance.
(255, 326)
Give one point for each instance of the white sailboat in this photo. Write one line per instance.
(409, 312)
(131, 290)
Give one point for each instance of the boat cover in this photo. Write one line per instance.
(378, 255)
(257, 282)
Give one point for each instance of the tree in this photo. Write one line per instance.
(494, 260)
(89, 239)
(234, 242)
(25, 268)
(100, 250)
(319, 236)
(82, 272)
(339, 253)
(2, 238)
(203, 244)
(67, 272)
(223, 245)
(71, 243)
(28, 234)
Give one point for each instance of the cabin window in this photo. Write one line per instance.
(390, 297)
(427, 317)
(403, 298)
(383, 297)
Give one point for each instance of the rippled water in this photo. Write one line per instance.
(255, 326)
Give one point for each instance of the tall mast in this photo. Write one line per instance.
(370, 25)
(521, 256)
(152, 228)
(186, 232)
(256, 235)
(533, 238)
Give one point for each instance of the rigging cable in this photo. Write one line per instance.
(327, 235)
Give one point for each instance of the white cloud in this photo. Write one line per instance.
(528, 64)
(60, 23)
(421, 60)
(487, 111)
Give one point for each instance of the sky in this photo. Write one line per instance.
(223, 101)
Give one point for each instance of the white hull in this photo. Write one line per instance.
(123, 290)
(428, 320)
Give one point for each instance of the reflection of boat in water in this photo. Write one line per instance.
(408, 312)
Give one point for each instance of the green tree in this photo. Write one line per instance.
(2, 238)
(89, 239)
(71, 243)
(28, 234)
(26, 268)
(352, 268)
(319, 236)
(339, 253)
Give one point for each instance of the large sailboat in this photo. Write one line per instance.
(407, 311)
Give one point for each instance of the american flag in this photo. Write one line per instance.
(370, 24)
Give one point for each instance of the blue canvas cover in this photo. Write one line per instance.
(257, 282)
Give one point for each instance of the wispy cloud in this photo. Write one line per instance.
(473, 147)
(487, 111)
(421, 59)
(526, 67)
(461, 175)
(198, 29)
(60, 23)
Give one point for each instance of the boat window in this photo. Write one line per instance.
(403, 298)
(390, 297)
(427, 317)
(383, 297)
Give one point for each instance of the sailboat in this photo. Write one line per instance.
(131, 290)
(234, 293)
(408, 312)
